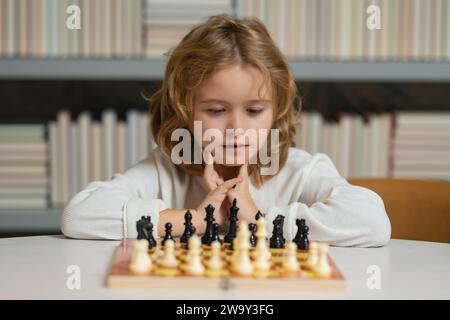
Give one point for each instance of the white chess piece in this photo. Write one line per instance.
(312, 259)
(262, 253)
(141, 263)
(215, 262)
(323, 268)
(290, 262)
(241, 264)
(194, 260)
(169, 260)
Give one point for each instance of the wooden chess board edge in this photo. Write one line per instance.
(119, 276)
(201, 283)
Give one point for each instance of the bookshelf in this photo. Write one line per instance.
(153, 69)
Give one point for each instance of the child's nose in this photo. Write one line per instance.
(236, 121)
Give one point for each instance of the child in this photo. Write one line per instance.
(228, 74)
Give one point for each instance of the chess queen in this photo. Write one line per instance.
(228, 75)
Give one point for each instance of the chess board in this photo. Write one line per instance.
(120, 275)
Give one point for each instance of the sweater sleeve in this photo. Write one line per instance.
(335, 211)
(110, 209)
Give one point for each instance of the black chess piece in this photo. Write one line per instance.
(252, 228)
(188, 226)
(300, 223)
(232, 231)
(168, 234)
(144, 228)
(258, 215)
(304, 241)
(207, 236)
(151, 240)
(140, 228)
(277, 240)
(215, 235)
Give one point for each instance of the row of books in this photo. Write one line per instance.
(46, 165)
(23, 166)
(167, 22)
(38, 29)
(305, 29)
(337, 29)
(357, 148)
(422, 146)
(84, 150)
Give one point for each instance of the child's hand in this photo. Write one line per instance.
(217, 189)
(247, 207)
(216, 198)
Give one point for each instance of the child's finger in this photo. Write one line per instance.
(229, 184)
(243, 171)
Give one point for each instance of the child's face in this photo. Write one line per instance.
(235, 97)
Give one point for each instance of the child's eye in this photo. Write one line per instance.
(216, 111)
(254, 111)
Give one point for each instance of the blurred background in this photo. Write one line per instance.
(73, 108)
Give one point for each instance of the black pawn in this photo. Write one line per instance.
(277, 240)
(304, 241)
(206, 239)
(215, 236)
(252, 228)
(232, 231)
(187, 227)
(168, 234)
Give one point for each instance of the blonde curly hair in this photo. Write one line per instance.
(221, 41)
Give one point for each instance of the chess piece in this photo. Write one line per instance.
(290, 262)
(258, 215)
(252, 229)
(188, 226)
(206, 239)
(277, 240)
(304, 241)
(169, 259)
(298, 235)
(322, 268)
(194, 265)
(168, 233)
(312, 259)
(141, 264)
(240, 263)
(140, 227)
(215, 263)
(215, 235)
(144, 228)
(232, 231)
(262, 253)
(150, 238)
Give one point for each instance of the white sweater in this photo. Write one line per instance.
(307, 187)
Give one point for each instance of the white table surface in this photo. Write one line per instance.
(36, 268)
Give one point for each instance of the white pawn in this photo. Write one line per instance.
(312, 259)
(323, 268)
(290, 262)
(169, 259)
(241, 263)
(194, 265)
(215, 262)
(141, 263)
